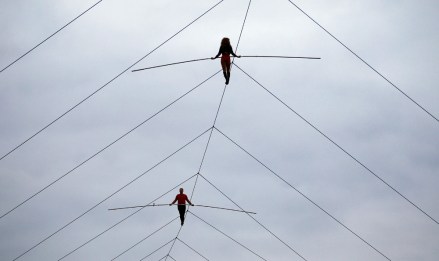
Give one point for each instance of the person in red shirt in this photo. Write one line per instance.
(225, 50)
(181, 201)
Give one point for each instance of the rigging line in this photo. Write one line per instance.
(361, 59)
(195, 184)
(109, 145)
(242, 56)
(192, 249)
(162, 258)
(153, 252)
(302, 194)
(342, 149)
(172, 258)
(108, 197)
(122, 220)
(36, 46)
(145, 238)
(243, 24)
(234, 240)
(195, 205)
(117, 76)
(173, 243)
(260, 224)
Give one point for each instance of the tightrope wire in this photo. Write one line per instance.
(211, 131)
(192, 249)
(162, 246)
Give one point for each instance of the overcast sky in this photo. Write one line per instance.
(339, 95)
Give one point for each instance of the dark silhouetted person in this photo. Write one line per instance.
(181, 201)
(225, 51)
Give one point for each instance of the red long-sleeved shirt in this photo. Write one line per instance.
(181, 199)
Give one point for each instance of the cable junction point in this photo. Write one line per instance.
(243, 56)
(204, 206)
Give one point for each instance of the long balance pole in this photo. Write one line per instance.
(162, 205)
(243, 56)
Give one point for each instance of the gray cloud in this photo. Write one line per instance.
(340, 95)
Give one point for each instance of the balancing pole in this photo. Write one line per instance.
(205, 206)
(168, 64)
(243, 56)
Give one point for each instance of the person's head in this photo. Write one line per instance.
(225, 41)
(181, 190)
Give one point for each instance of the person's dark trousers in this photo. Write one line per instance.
(182, 211)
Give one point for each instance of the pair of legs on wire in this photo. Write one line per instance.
(225, 50)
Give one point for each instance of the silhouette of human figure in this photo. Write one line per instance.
(181, 202)
(225, 50)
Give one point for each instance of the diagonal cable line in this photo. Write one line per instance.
(36, 46)
(301, 193)
(153, 252)
(192, 248)
(145, 238)
(260, 224)
(234, 240)
(169, 257)
(210, 134)
(108, 197)
(243, 24)
(103, 86)
(341, 148)
(107, 146)
(178, 233)
(122, 220)
(367, 64)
